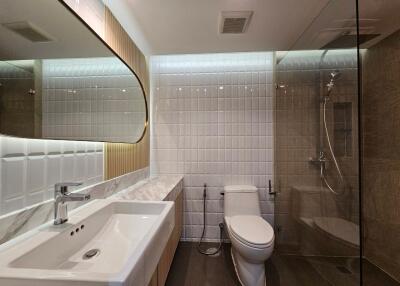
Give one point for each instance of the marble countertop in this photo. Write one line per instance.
(133, 186)
(158, 188)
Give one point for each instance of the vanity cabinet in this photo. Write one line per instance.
(153, 281)
(160, 275)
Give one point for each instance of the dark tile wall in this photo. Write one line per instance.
(16, 104)
(381, 177)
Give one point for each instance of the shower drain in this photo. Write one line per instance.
(91, 253)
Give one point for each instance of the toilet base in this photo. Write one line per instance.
(247, 273)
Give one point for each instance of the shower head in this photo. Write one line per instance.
(335, 75)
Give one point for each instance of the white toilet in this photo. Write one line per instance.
(251, 236)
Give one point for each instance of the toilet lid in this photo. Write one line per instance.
(252, 230)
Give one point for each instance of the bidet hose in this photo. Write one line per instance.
(208, 252)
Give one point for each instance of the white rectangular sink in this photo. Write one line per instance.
(107, 242)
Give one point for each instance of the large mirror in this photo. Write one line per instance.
(59, 80)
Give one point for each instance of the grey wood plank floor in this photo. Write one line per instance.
(190, 268)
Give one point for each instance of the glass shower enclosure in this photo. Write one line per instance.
(317, 206)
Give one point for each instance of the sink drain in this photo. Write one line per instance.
(91, 253)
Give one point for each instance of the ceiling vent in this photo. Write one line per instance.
(344, 33)
(28, 31)
(234, 22)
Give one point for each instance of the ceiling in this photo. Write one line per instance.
(192, 26)
(379, 17)
(71, 39)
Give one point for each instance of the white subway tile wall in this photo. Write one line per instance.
(212, 121)
(30, 168)
(98, 99)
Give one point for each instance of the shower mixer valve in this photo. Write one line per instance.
(320, 163)
(321, 158)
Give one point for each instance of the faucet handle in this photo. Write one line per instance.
(63, 187)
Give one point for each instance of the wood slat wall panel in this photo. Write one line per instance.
(124, 158)
(117, 38)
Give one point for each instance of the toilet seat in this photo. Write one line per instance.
(252, 231)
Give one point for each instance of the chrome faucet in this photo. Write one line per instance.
(61, 196)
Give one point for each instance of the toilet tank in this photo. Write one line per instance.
(241, 200)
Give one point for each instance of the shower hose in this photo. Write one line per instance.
(323, 177)
(209, 251)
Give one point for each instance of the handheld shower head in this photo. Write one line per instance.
(333, 77)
